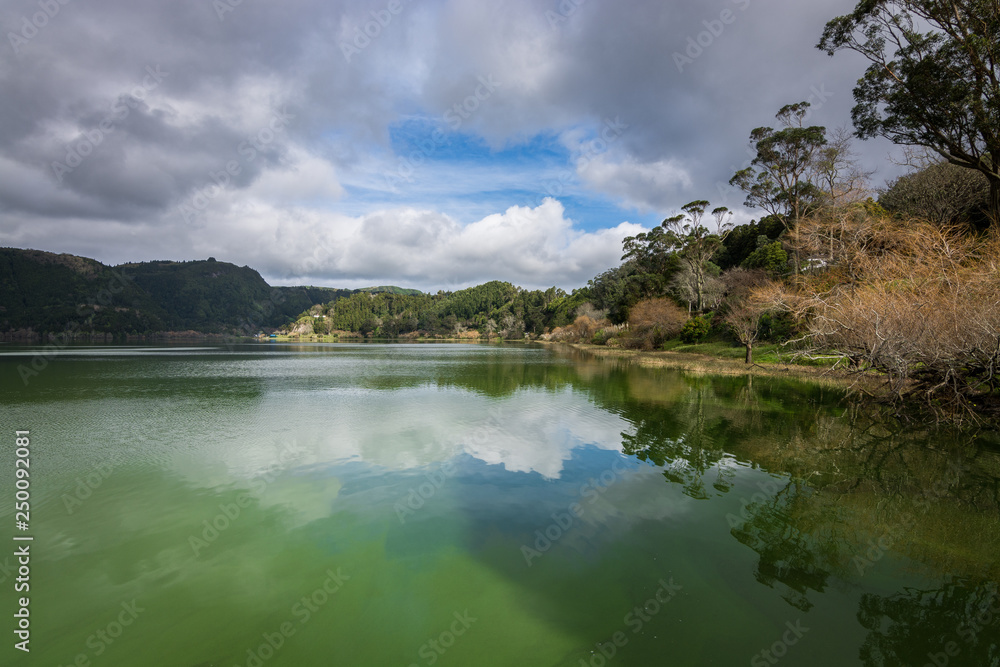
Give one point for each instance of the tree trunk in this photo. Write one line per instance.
(749, 358)
(698, 281)
(993, 204)
(798, 260)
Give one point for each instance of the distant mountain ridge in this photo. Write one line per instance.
(47, 293)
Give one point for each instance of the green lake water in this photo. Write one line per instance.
(370, 505)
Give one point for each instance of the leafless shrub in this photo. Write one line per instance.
(581, 331)
(684, 286)
(915, 301)
(590, 311)
(652, 321)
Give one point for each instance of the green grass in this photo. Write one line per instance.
(763, 353)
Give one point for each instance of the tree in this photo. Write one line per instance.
(917, 303)
(744, 321)
(940, 192)
(490, 328)
(939, 89)
(650, 256)
(839, 174)
(769, 256)
(618, 289)
(684, 286)
(742, 241)
(745, 309)
(781, 178)
(694, 243)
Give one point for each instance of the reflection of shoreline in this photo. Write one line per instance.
(691, 362)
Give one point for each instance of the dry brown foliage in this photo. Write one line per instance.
(748, 293)
(652, 321)
(910, 299)
(581, 331)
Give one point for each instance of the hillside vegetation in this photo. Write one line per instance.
(46, 293)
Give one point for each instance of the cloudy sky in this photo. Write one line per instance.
(424, 143)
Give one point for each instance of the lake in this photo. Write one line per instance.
(449, 504)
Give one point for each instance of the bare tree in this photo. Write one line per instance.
(917, 303)
(839, 173)
(745, 305)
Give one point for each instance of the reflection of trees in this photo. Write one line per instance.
(856, 472)
(502, 374)
(870, 468)
(845, 477)
(839, 477)
(681, 439)
(794, 557)
(903, 628)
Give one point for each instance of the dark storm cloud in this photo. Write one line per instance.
(162, 96)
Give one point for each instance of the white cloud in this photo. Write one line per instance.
(646, 186)
(531, 247)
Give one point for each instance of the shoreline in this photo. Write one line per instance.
(696, 363)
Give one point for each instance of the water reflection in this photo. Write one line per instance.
(953, 623)
(849, 495)
(768, 501)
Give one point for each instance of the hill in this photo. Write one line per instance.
(43, 291)
(48, 292)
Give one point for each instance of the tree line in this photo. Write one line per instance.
(900, 280)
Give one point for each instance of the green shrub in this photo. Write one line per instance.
(695, 329)
(600, 337)
(769, 256)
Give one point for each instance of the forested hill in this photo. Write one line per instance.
(46, 292)
(493, 308)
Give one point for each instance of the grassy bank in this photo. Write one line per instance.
(720, 358)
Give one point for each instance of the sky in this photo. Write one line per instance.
(433, 144)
